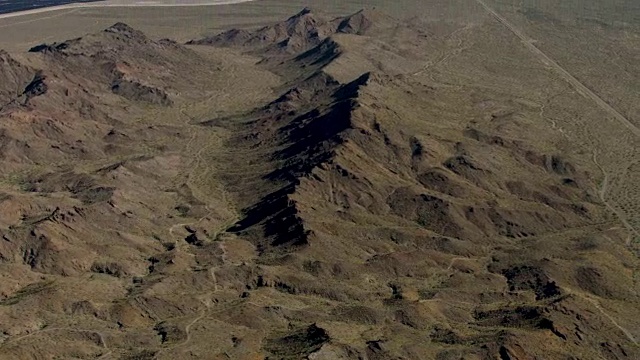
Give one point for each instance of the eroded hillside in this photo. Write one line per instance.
(302, 190)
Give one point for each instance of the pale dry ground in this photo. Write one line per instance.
(116, 3)
(599, 44)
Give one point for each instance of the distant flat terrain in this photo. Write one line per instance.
(22, 5)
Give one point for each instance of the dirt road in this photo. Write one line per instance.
(118, 3)
(580, 87)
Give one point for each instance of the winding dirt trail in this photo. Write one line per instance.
(626, 332)
(457, 49)
(205, 312)
(602, 192)
(613, 321)
(195, 164)
(543, 117)
(197, 160)
(187, 331)
(103, 342)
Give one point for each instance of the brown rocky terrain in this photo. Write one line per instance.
(297, 191)
(300, 32)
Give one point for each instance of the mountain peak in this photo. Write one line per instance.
(125, 30)
(303, 12)
(298, 33)
(305, 20)
(119, 27)
(363, 21)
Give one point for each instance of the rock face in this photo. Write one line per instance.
(353, 212)
(136, 91)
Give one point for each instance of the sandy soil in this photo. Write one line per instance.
(162, 3)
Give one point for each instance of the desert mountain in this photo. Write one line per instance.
(328, 205)
(134, 66)
(443, 189)
(295, 34)
(300, 32)
(330, 142)
(365, 22)
(78, 101)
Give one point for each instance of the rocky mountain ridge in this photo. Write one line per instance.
(350, 213)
